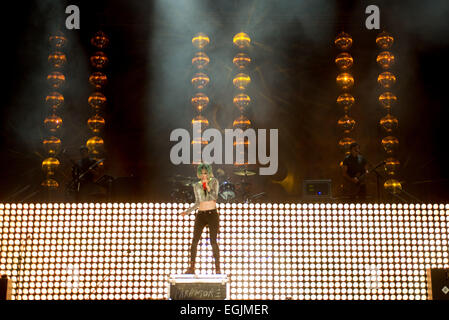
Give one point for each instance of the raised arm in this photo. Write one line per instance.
(197, 201)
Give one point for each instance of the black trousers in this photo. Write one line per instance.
(206, 218)
(358, 195)
(361, 195)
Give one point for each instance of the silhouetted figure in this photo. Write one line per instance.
(84, 175)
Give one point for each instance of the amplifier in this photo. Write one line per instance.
(438, 284)
(198, 287)
(5, 288)
(317, 189)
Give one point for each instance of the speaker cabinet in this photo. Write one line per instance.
(438, 284)
(5, 288)
(315, 190)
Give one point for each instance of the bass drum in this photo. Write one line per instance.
(227, 191)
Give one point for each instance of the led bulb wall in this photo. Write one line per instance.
(269, 251)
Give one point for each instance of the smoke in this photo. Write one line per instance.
(268, 23)
(275, 18)
(44, 19)
(428, 21)
(27, 38)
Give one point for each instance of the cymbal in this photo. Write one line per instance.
(243, 184)
(257, 195)
(244, 172)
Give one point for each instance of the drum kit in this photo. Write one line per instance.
(229, 191)
(182, 190)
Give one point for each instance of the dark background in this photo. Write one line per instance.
(293, 89)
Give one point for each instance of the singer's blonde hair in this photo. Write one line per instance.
(206, 166)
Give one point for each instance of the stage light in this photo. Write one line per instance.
(200, 40)
(344, 61)
(393, 186)
(99, 60)
(200, 80)
(386, 79)
(389, 123)
(241, 40)
(200, 60)
(314, 261)
(241, 81)
(343, 41)
(200, 101)
(57, 59)
(241, 101)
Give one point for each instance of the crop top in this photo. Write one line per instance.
(201, 195)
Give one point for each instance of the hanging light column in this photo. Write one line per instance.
(241, 81)
(345, 81)
(54, 100)
(97, 100)
(200, 82)
(389, 123)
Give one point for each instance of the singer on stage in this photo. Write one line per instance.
(206, 194)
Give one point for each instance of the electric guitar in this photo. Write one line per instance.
(351, 188)
(78, 178)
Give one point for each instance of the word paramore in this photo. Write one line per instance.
(212, 152)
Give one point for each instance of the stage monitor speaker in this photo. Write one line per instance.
(438, 284)
(5, 288)
(317, 189)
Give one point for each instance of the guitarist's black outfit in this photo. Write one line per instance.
(87, 185)
(356, 167)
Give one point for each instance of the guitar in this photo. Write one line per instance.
(75, 183)
(350, 188)
(91, 168)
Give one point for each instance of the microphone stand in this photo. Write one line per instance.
(397, 196)
(378, 176)
(378, 185)
(20, 264)
(411, 196)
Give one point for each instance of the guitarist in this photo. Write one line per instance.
(354, 167)
(85, 175)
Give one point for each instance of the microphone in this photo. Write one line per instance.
(204, 188)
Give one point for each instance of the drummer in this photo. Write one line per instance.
(227, 191)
